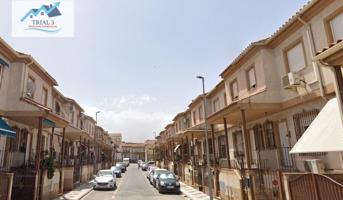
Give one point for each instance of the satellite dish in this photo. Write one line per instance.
(30, 89)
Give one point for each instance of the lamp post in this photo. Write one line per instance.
(206, 136)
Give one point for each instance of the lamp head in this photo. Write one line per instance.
(200, 77)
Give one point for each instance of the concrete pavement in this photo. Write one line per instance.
(193, 193)
(77, 193)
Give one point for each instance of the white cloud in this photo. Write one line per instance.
(127, 102)
(125, 115)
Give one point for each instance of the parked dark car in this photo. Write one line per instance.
(154, 174)
(122, 166)
(167, 182)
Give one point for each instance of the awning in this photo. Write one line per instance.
(325, 134)
(48, 123)
(175, 149)
(5, 129)
(2, 62)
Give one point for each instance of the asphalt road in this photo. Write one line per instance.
(132, 186)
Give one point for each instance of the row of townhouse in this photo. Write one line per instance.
(267, 98)
(47, 143)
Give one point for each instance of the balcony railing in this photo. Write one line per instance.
(3, 156)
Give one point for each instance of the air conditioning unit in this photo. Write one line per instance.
(314, 166)
(291, 80)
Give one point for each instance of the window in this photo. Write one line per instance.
(222, 146)
(2, 68)
(57, 108)
(201, 113)
(334, 26)
(194, 117)
(72, 117)
(210, 149)
(269, 134)
(251, 77)
(234, 90)
(30, 87)
(238, 143)
(44, 96)
(258, 135)
(295, 57)
(225, 99)
(303, 120)
(216, 105)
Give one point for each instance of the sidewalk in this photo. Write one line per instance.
(77, 193)
(193, 193)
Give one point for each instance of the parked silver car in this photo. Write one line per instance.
(117, 171)
(105, 179)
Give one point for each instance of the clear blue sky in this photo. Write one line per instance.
(136, 60)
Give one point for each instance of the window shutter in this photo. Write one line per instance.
(252, 78)
(337, 27)
(296, 58)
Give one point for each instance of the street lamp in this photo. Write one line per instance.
(96, 117)
(96, 147)
(206, 136)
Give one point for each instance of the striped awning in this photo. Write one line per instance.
(5, 129)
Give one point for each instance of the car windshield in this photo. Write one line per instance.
(105, 173)
(167, 176)
(115, 168)
(157, 172)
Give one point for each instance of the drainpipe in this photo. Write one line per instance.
(313, 54)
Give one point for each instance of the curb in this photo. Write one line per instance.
(85, 193)
(194, 194)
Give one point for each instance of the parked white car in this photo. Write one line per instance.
(105, 179)
(150, 171)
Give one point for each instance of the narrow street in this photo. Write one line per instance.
(134, 186)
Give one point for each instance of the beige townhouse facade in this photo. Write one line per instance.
(149, 150)
(40, 126)
(117, 139)
(267, 98)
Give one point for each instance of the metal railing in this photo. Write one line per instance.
(5, 163)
